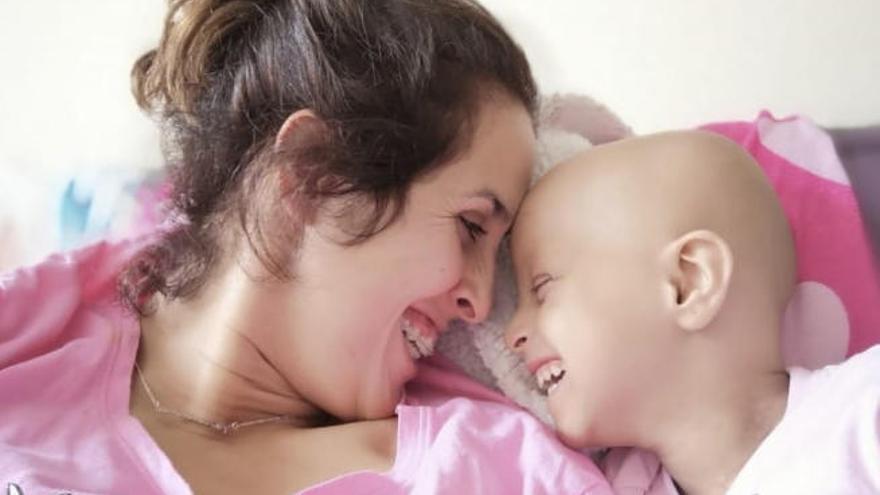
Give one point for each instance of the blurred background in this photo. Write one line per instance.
(66, 110)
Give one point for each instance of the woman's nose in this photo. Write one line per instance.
(473, 295)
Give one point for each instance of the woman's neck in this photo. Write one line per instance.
(203, 356)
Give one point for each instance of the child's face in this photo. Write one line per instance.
(589, 309)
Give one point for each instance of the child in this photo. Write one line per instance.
(653, 275)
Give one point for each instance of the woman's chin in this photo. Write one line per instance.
(378, 397)
(385, 403)
(382, 409)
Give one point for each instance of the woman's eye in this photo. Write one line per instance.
(474, 229)
(539, 287)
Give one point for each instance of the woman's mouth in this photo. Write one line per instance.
(549, 375)
(419, 343)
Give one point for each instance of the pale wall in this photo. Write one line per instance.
(64, 97)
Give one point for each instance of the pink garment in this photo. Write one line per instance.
(829, 438)
(67, 350)
(828, 441)
(632, 471)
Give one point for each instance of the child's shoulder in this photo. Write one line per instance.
(836, 400)
(860, 369)
(829, 439)
(839, 390)
(868, 357)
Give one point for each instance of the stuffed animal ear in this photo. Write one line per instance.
(554, 146)
(584, 116)
(570, 123)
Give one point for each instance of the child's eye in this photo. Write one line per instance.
(474, 229)
(539, 286)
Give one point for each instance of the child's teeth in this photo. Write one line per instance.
(549, 376)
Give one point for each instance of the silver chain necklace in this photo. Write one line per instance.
(222, 428)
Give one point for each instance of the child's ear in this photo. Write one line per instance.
(698, 269)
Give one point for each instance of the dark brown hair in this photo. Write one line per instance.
(395, 85)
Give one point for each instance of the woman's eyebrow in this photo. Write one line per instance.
(498, 208)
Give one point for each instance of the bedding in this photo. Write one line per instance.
(835, 311)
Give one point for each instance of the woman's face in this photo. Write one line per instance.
(362, 315)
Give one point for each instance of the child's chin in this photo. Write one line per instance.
(574, 436)
(573, 429)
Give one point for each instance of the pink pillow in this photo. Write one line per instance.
(835, 311)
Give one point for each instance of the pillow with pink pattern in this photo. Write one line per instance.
(835, 311)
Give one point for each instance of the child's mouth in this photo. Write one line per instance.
(549, 375)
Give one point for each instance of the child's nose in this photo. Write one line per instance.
(516, 334)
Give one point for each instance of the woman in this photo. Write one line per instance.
(343, 173)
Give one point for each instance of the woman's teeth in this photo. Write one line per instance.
(418, 345)
(549, 376)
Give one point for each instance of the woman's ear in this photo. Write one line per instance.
(302, 126)
(301, 129)
(698, 265)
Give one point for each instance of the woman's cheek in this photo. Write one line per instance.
(444, 268)
(448, 275)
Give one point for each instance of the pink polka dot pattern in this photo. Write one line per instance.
(835, 312)
(815, 331)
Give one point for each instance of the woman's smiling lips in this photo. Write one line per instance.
(420, 333)
(425, 324)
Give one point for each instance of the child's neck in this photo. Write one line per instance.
(707, 437)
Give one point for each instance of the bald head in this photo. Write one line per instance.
(650, 190)
(655, 272)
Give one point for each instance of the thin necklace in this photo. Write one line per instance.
(222, 428)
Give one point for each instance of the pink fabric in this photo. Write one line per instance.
(456, 436)
(66, 355)
(633, 471)
(835, 311)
